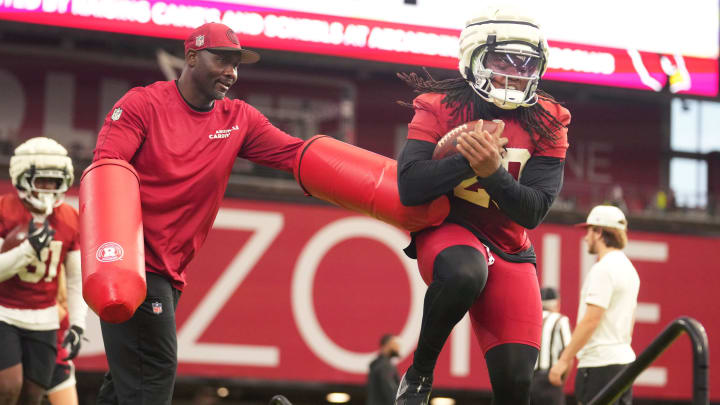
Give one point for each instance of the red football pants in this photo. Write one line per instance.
(509, 308)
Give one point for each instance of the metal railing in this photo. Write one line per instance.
(701, 362)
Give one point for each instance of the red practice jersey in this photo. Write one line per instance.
(468, 200)
(35, 286)
(184, 158)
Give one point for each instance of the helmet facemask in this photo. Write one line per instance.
(31, 188)
(507, 75)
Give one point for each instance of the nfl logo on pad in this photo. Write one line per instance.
(157, 308)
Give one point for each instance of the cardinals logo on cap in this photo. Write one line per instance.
(232, 37)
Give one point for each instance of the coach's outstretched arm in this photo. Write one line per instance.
(361, 181)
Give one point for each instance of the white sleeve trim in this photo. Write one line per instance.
(77, 308)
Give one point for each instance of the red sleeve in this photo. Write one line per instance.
(71, 217)
(425, 125)
(3, 215)
(124, 129)
(558, 147)
(267, 145)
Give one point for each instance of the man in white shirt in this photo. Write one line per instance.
(606, 315)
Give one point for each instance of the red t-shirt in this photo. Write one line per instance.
(469, 201)
(35, 286)
(184, 158)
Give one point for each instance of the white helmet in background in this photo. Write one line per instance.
(503, 54)
(41, 158)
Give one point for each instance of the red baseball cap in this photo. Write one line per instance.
(216, 36)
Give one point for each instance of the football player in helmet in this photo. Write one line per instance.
(38, 234)
(503, 60)
(480, 259)
(42, 172)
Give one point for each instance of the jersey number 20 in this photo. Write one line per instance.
(469, 189)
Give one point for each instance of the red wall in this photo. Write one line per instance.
(268, 269)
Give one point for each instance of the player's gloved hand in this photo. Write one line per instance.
(39, 238)
(73, 338)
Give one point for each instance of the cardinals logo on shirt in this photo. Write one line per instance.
(223, 133)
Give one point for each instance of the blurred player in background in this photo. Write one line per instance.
(606, 316)
(383, 378)
(62, 385)
(182, 137)
(480, 259)
(39, 233)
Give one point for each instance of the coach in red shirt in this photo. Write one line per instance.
(182, 137)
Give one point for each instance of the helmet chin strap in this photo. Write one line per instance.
(44, 203)
(48, 201)
(507, 99)
(502, 97)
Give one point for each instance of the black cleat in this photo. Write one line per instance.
(414, 389)
(279, 400)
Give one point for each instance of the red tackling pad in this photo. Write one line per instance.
(111, 240)
(361, 181)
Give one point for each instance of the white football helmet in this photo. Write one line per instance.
(503, 54)
(41, 158)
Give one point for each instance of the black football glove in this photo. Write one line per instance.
(73, 338)
(39, 238)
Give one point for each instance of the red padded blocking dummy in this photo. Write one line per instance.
(361, 181)
(111, 240)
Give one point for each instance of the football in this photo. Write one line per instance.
(15, 237)
(447, 146)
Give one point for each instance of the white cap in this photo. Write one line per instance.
(607, 216)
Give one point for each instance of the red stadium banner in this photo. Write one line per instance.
(293, 292)
(297, 31)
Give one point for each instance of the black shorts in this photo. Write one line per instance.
(35, 349)
(142, 352)
(544, 393)
(63, 376)
(590, 380)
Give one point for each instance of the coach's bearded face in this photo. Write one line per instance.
(215, 72)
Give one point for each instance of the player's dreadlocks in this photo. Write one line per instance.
(468, 106)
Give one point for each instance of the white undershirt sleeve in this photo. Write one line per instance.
(15, 259)
(76, 304)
